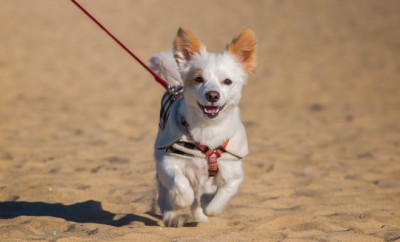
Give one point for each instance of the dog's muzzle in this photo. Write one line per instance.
(211, 111)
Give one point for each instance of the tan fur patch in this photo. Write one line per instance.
(187, 44)
(189, 81)
(244, 48)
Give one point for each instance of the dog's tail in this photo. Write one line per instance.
(164, 64)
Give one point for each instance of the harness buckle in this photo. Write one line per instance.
(176, 91)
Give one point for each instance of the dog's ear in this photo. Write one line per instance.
(186, 45)
(243, 48)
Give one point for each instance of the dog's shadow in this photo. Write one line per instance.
(84, 212)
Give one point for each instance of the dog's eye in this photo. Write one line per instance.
(227, 82)
(199, 79)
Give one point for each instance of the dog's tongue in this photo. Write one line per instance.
(211, 110)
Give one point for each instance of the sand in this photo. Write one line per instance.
(78, 118)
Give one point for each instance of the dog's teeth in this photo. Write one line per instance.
(212, 111)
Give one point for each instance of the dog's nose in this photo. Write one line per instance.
(212, 96)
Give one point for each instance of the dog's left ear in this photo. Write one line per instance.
(243, 48)
(186, 45)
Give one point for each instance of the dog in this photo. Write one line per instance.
(201, 141)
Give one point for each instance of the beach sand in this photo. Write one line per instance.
(78, 118)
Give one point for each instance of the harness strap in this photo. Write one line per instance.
(211, 154)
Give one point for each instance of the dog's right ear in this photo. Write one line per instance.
(186, 45)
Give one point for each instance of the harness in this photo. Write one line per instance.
(211, 154)
(189, 147)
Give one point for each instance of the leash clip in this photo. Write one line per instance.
(176, 91)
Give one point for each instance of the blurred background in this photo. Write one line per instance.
(78, 116)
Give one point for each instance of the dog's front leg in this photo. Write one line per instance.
(170, 173)
(175, 191)
(197, 209)
(231, 175)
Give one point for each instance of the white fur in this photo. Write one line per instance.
(185, 182)
(216, 68)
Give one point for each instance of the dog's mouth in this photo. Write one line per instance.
(211, 111)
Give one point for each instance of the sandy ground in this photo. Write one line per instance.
(78, 119)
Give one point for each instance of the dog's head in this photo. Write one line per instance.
(213, 81)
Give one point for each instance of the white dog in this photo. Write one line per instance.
(201, 140)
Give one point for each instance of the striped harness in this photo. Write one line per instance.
(188, 148)
(166, 104)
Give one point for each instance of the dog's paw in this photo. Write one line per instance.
(199, 216)
(171, 219)
(213, 210)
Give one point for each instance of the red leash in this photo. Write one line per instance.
(157, 77)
